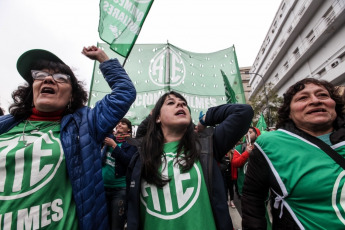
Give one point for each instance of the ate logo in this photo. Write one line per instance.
(167, 59)
(338, 197)
(26, 170)
(175, 198)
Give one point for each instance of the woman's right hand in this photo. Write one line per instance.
(110, 142)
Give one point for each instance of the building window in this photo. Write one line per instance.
(290, 29)
(281, 42)
(276, 77)
(322, 72)
(301, 10)
(286, 65)
(296, 53)
(310, 37)
(329, 16)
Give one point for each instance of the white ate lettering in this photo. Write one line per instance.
(34, 217)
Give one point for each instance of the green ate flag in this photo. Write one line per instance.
(229, 92)
(120, 23)
(158, 68)
(261, 125)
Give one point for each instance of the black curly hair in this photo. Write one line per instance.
(284, 110)
(21, 107)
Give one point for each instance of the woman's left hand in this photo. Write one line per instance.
(110, 142)
(95, 53)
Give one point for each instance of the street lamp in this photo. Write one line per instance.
(266, 96)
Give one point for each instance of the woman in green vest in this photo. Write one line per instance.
(306, 185)
(174, 182)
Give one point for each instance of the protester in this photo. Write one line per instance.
(51, 169)
(117, 154)
(233, 183)
(225, 168)
(296, 163)
(241, 155)
(174, 183)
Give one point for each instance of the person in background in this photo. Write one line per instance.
(301, 164)
(51, 167)
(225, 169)
(174, 181)
(117, 154)
(241, 155)
(1, 111)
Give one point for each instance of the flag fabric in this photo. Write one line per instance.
(229, 92)
(158, 68)
(261, 125)
(120, 23)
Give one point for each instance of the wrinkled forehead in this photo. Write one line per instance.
(312, 88)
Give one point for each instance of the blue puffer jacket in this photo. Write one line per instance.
(82, 134)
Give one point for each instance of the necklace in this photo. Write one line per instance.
(37, 128)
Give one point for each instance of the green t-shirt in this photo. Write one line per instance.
(108, 171)
(35, 191)
(183, 203)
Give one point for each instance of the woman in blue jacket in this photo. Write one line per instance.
(50, 162)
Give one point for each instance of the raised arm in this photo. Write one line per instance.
(114, 106)
(232, 122)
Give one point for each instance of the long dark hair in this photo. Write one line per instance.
(21, 107)
(284, 110)
(153, 144)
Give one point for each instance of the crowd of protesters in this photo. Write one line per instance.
(67, 166)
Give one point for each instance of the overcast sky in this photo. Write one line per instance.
(65, 26)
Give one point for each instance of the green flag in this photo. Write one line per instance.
(229, 92)
(261, 125)
(158, 68)
(120, 23)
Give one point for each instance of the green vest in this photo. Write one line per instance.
(311, 183)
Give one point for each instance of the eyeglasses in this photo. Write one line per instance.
(58, 77)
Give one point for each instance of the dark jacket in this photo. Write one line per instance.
(122, 155)
(234, 121)
(82, 134)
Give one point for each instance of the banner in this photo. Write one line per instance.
(229, 92)
(120, 23)
(158, 68)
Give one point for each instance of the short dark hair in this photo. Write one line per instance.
(284, 110)
(23, 96)
(127, 122)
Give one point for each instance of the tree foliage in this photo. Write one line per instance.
(259, 104)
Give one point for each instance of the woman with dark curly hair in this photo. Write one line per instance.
(175, 182)
(50, 161)
(301, 164)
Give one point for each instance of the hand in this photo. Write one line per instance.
(200, 127)
(110, 142)
(95, 53)
(249, 148)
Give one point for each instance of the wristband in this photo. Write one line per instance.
(201, 115)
